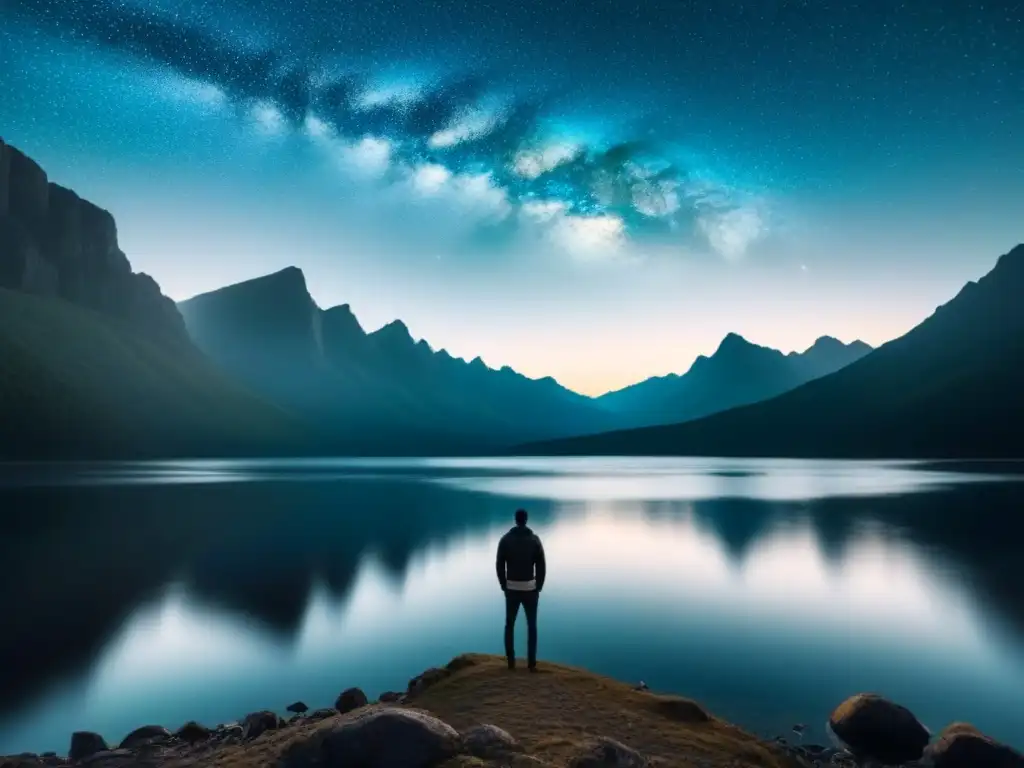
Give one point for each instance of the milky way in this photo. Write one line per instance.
(762, 131)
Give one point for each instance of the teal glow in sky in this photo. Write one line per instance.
(598, 192)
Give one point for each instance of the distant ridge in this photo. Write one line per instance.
(737, 373)
(950, 388)
(382, 392)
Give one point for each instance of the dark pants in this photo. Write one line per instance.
(513, 599)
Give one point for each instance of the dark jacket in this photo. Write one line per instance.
(521, 557)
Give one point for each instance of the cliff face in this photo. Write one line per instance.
(54, 243)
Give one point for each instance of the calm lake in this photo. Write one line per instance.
(768, 590)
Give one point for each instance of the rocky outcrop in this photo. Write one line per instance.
(54, 243)
(638, 729)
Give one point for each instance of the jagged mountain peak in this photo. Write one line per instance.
(733, 341)
(395, 330)
(827, 341)
(285, 284)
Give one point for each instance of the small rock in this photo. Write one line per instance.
(143, 735)
(256, 724)
(298, 707)
(487, 740)
(961, 745)
(350, 699)
(874, 728)
(193, 732)
(381, 737)
(607, 753)
(391, 697)
(641, 686)
(85, 743)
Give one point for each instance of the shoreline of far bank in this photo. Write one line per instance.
(475, 713)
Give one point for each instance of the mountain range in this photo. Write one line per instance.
(953, 386)
(737, 373)
(96, 362)
(385, 392)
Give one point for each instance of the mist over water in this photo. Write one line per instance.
(767, 589)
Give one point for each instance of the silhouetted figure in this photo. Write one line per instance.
(521, 571)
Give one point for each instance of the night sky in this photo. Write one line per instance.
(596, 190)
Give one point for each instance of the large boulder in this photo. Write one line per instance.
(874, 728)
(257, 723)
(144, 735)
(485, 741)
(607, 753)
(350, 699)
(85, 743)
(961, 745)
(376, 737)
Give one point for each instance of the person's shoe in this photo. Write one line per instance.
(533, 667)
(511, 666)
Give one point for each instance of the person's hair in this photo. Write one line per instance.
(521, 517)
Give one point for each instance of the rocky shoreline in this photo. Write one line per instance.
(409, 730)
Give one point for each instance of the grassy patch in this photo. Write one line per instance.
(553, 714)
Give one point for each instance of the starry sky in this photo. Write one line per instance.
(597, 190)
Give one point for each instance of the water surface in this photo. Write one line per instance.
(769, 590)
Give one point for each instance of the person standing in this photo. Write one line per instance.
(521, 572)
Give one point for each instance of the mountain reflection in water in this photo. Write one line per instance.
(172, 590)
